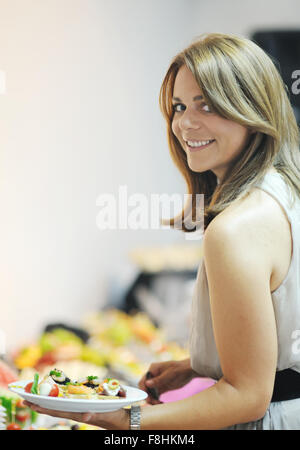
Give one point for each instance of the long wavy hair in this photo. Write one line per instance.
(241, 83)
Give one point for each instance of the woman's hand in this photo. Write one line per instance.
(116, 420)
(166, 376)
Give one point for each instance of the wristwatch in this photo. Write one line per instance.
(135, 417)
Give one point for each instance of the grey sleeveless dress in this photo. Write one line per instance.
(286, 301)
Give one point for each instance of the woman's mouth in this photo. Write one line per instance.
(194, 146)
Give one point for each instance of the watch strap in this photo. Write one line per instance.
(135, 417)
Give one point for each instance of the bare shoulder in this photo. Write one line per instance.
(258, 211)
(258, 224)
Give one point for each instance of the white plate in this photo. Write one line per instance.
(133, 395)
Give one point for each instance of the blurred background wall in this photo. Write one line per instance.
(80, 117)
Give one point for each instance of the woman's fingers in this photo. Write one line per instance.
(141, 383)
(77, 417)
(115, 420)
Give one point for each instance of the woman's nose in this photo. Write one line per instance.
(189, 119)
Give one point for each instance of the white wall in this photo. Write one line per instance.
(80, 117)
(242, 17)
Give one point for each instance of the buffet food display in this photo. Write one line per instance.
(118, 342)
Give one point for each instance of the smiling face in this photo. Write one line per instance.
(210, 141)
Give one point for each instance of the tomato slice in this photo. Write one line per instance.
(22, 417)
(13, 426)
(28, 387)
(54, 391)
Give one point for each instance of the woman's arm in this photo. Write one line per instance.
(239, 267)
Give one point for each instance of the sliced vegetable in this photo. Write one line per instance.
(107, 380)
(54, 391)
(13, 426)
(34, 388)
(28, 387)
(56, 373)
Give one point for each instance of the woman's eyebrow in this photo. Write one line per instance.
(198, 97)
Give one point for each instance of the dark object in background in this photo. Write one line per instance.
(284, 47)
(131, 304)
(82, 334)
(168, 287)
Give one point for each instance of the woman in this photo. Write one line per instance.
(233, 135)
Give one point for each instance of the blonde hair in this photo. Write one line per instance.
(241, 83)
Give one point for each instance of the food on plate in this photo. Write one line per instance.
(90, 381)
(48, 387)
(59, 377)
(79, 389)
(57, 384)
(112, 386)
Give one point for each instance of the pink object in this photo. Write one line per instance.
(7, 374)
(193, 387)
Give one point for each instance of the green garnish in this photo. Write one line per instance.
(91, 377)
(56, 373)
(34, 387)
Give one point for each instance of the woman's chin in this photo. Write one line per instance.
(197, 167)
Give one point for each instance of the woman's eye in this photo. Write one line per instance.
(178, 107)
(206, 108)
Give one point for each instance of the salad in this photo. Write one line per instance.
(57, 384)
